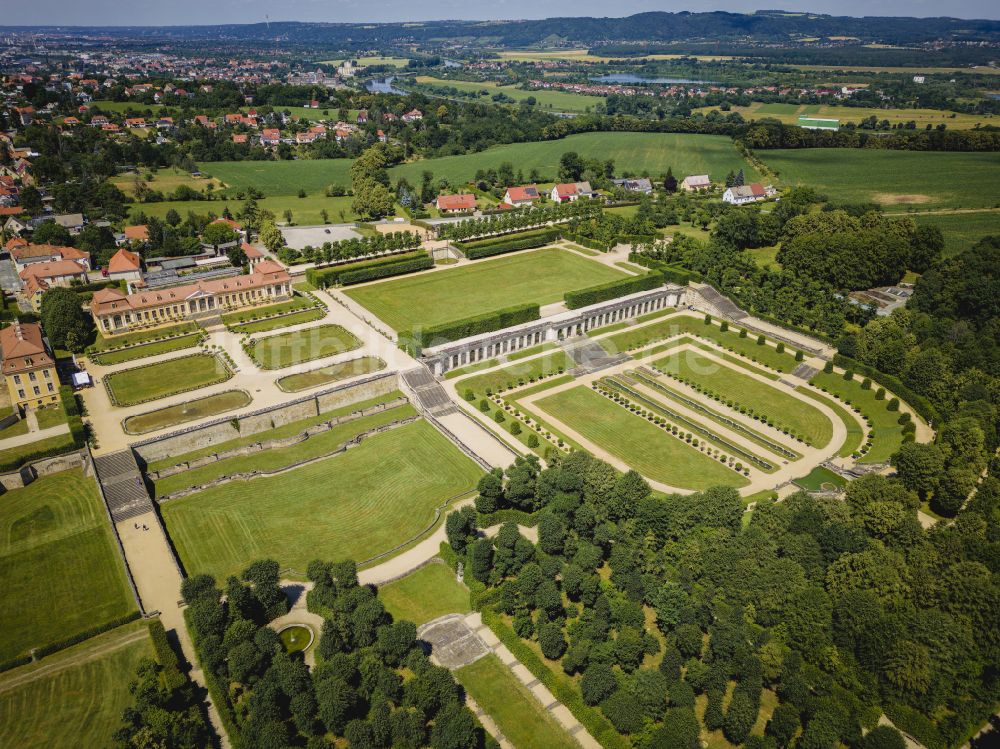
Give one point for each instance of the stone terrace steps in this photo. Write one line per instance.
(430, 395)
(805, 372)
(122, 485)
(589, 355)
(722, 303)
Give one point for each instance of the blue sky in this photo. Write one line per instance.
(191, 12)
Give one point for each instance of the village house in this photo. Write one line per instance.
(362, 116)
(38, 278)
(125, 265)
(517, 196)
(115, 312)
(29, 367)
(743, 194)
(571, 191)
(641, 185)
(270, 136)
(29, 254)
(456, 203)
(695, 182)
(414, 115)
(138, 233)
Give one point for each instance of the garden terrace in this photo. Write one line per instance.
(886, 430)
(332, 373)
(192, 410)
(143, 350)
(425, 594)
(55, 542)
(285, 349)
(130, 387)
(368, 501)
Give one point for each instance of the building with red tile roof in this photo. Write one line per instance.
(452, 203)
(28, 366)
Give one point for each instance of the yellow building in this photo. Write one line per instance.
(29, 368)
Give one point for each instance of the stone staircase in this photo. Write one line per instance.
(589, 355)
(804, 372)
(429, 395)
(715, 303)
(122, 485)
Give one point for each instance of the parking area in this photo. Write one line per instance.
(298, 237)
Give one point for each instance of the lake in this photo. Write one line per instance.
(383, 86)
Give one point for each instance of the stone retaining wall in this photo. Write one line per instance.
(274, 444)
(27, 473)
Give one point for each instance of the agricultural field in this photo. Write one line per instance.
(352, 506)
(919, 179)
(164, 180)
(541, 276)
(285, 349)
(192, 410)
(559, 101)
(73, 698)
(635, 441)
(789, 114)
(129, 387)
(306, 211)
(60, 573)
(425, 594)
(962, 230)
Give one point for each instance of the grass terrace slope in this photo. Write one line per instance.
(934, 179)
(426, 594)
(352, 506)
(60, 573)
(78, 698)
(541, 276)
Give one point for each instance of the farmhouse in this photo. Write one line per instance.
(517, 196)
(453, 203)
(29, 368)
(743, 194)
(694, 182)
(115, 312)
(570, 191)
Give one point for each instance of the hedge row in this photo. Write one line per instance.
(21, 660)
(323, 277)
(25, 458)
(470, 326)
(523, 241)
(671, 273)
(220, 697)
(919, 403)
(593, 244)
(97, 286)
(86, 634)
(613, 290)
(389, 269)
(165, 656)
(591, 718)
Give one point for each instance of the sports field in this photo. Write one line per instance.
(153, 381)
(557, 101)
(73, 698)
(351, 506)
(785, 410)
(922, 179)
(426, 594)
(285, 349)
(632, 439)
(541, 276)
(60, 573)
(790, 113)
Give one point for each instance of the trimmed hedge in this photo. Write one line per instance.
(511, 243)
(593, 244)
(671, 273)
(613, 290)
(21, 660)
(323, 277)
(470, 326)
(591, 718)
(97, 286)
(86, 634)
(918, 402)
(173, 677)
(385, 271)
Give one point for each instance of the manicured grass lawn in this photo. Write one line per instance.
(285, 321)
(426, 594)
(72, 704)
(541, 276)
(143, 336)
(887, 434)
(141, 384)
(51, 416)
(479, 366)
(189, 411)
(351, 506)
(278, 458)
(558, 101)
(333, 373)
(286, 349)
(278, 177)
(926, 179)
(520, 717)
(643, 446)
(16, 429)
(786, 411)
(855, 434)
(59, 570)
(962, 230)
(521, 372)
(270, 310)
(53, 445)
(149, 349)
(820, 478)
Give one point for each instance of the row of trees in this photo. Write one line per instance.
(525, 218)
(350, 249)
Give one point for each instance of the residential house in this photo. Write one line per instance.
(743, 194)
(695, 182)
(270, 136)
(29, 367)
(115, 312)
(571, 191)
(138, 233)
(517, 196)
(29, 254)
(381, 136)
(456, 203)
(641, 185)
(414, 115)
(240, 138)
(362, 116)
(126, 265)
(38, 278)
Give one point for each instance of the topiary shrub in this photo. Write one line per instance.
(893, 404)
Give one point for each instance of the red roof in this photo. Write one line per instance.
(140, 233)
(464, 202)
(517, 194)
(22, 348)
(250, 251)
(566, 189)
(758, 190)
(268, 266)
(124, 261)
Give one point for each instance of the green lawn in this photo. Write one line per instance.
(146, 383)
(962, 230)
(887, 434)
(285, 321)
(925, 179)
(352, 506)
(635, 152)
(51, 445)
(785, 410)
(306, 211)
(541, 276)
(50, 416)
(149, 349)
(16, 429)
(855, 434)
(557, 101)
(426, 594)
(520, 373)
(143, 336)
(278, 458)
(520, 717)
(59, 570)
(252, 314)
(78, 699)
(285, 349)
(632, 439)
(820, 479)
(191, 410)
(333, 373)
